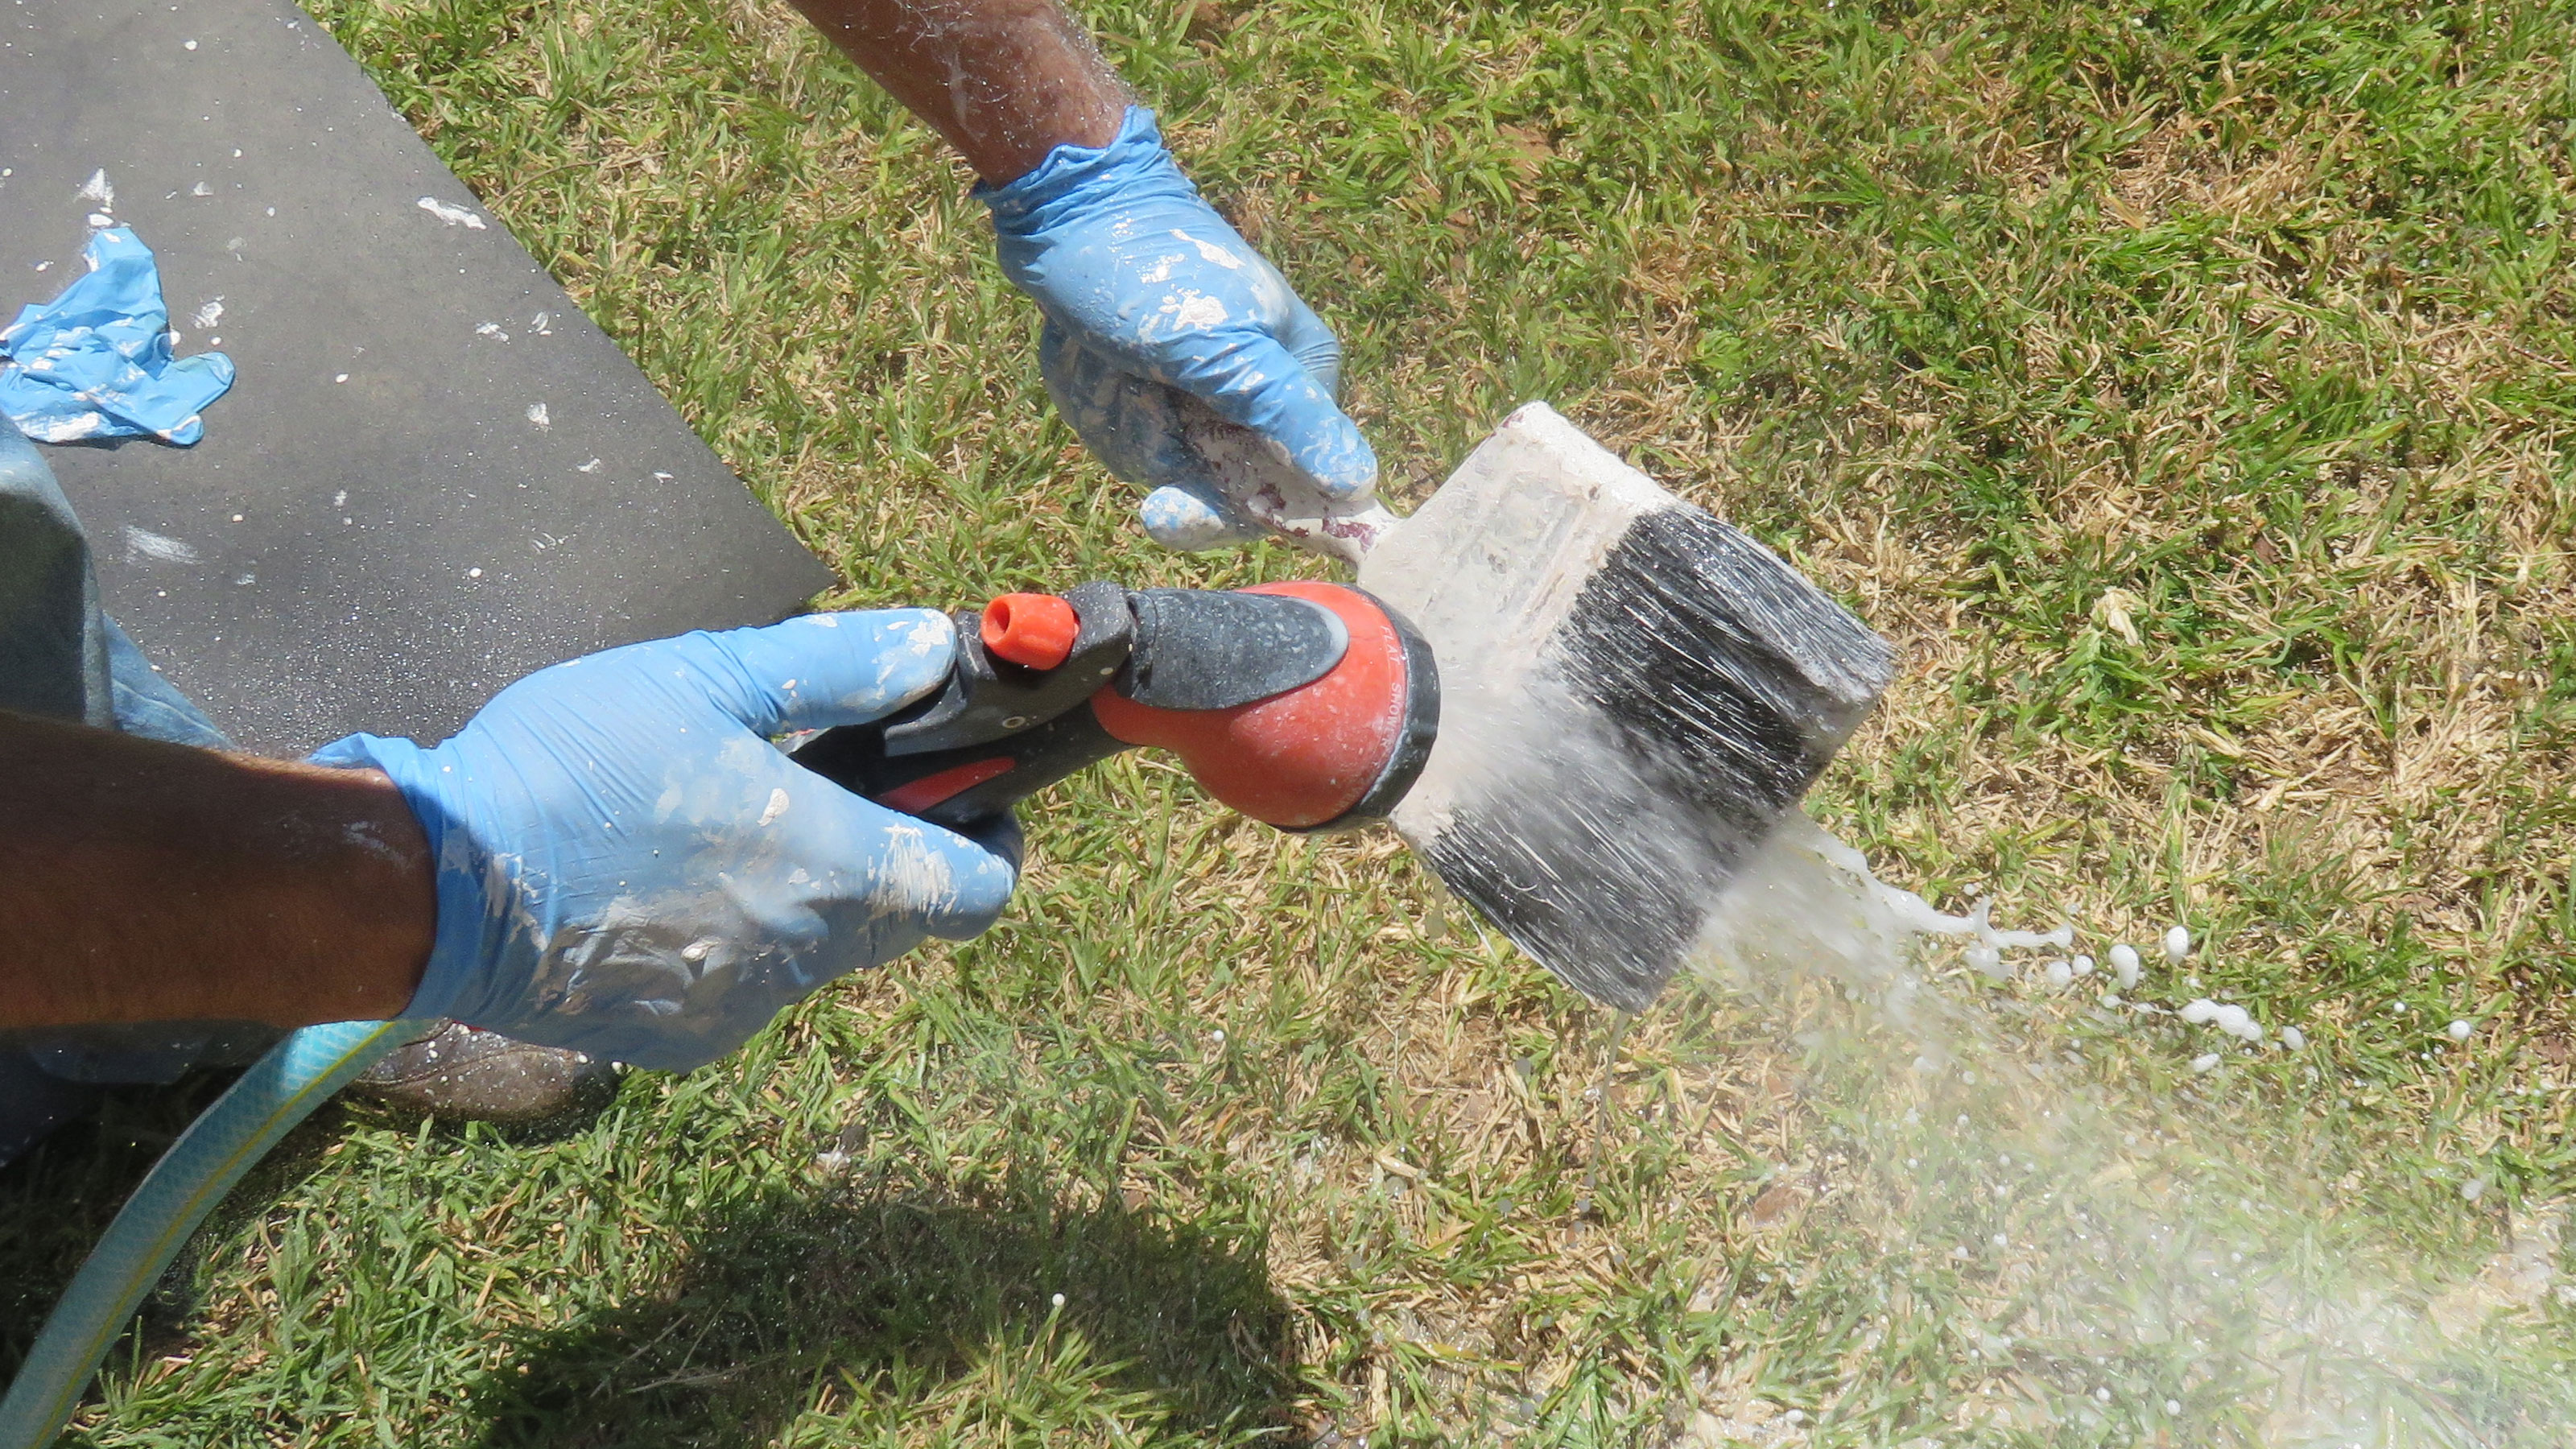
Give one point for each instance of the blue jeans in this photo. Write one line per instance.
(62, 657)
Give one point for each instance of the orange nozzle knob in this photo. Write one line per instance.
(1032, 629)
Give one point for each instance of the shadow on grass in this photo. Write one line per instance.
(58, 1197)
(902, 1291)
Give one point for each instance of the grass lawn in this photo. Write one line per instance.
(2187, 386)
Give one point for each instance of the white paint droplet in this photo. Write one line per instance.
(537, 414)
(2459, 1030)
(452, 215)
(474, 573)
(158, 547)
(776, 807)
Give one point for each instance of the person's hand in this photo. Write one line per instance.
(627, 866)
(1152, 301)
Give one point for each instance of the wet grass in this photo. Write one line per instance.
(2185, 385)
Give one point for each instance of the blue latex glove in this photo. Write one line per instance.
(1152, 299)
(628, 867)
(95, 362)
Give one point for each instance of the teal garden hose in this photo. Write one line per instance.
(296, 1076)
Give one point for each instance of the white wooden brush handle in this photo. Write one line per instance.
(1253, 474)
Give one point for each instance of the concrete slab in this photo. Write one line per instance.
(433, 474)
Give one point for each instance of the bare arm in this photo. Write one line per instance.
(144, 881)
(1006, 81)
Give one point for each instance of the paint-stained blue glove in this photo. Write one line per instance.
(628, 867)
(1150, 297)
(95, 362)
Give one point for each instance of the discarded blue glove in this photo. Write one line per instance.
(95, 362)
(628, 867)
(1151, 298)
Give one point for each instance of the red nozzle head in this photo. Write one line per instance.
(1032, 629)
(1334, 752)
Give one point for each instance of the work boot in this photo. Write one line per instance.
(459, 1074)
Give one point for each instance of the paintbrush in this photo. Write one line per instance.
(1632, 691)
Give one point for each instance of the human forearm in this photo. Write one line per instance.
(1163, 323)
(143, 881)
(1005, 81)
